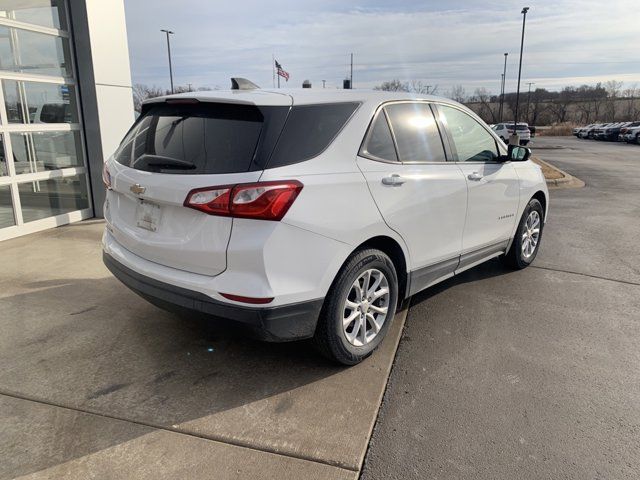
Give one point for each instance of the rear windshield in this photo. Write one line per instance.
(212, 138)
(205, 138)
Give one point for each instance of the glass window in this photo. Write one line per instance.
(46, 198)
(472, 141)
(36, 102)
(380, 142)
(309, 130)
(4, 170)
(39, 151)
(193, 139)
(7, 218)
(31, 52)
(46, 13)
(416, 132)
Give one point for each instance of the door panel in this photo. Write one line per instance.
(428, 209)
(493, 202)
(493, 186)
(422, 196)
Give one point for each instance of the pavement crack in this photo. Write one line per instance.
(628, 282)
(211, 438)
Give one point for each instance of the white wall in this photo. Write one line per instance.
(104, 79)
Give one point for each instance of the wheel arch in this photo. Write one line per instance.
(394, 250)
(542, 198)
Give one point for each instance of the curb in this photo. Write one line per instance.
(565, 181)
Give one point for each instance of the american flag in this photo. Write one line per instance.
(281, 72)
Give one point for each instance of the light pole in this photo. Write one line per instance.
(529, 99)
(504, 78)
(515, 117)
(169, 32)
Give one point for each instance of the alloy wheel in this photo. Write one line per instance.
(531, 234)
(366, 307)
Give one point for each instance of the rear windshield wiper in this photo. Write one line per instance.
(167, 163)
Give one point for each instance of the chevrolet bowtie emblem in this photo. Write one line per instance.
(137, 189)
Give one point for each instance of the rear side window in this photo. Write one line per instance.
(416, 132)
(206, 138)
(379, 142)
(309, 130)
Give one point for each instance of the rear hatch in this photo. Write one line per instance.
(176, 146)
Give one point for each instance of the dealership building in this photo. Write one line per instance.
(65, 90)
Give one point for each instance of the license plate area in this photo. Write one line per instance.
(148, 215)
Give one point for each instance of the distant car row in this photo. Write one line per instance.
(505, 130)
(613, 132)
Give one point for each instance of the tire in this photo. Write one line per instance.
(350, 344)
(516, 257)
(524, 143)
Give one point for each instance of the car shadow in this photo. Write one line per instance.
(92, 345)
(489, 269)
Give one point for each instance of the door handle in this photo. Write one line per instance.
(394, 180)
(475, 176)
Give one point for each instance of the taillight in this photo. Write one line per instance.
(106, 176)
(262, 201)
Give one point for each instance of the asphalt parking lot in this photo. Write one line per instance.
(532, 374)
(498, 374)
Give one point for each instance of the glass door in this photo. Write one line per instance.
(43, 174)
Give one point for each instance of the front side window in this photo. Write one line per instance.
(379, 142)
(416, 132)
(473, 143)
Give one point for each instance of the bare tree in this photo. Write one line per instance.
(418, 86)
(141, 92)
(458, 93)
(613, 91)
(394, 85)
(486, 111)
(630, 102)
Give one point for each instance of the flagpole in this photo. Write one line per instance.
(278, 80)
(273, 68)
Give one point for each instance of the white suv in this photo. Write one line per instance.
(311, 213)
(505, 130)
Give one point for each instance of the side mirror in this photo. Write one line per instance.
(518, 153)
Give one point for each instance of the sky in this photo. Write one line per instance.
(444, 43)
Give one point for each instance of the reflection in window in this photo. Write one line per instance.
(4, 170)
(46, 13)
(473, 143)
(46, 198)
(35, 102)
(39, 151)
(416, 132)
(7, 219)
(380, 141)
(30, 52)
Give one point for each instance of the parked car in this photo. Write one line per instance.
(610, 132)
(591, 131)
(624, 129)
(632, 135)
(505, 130)
(302, 213)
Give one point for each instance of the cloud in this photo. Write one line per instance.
(449, 43)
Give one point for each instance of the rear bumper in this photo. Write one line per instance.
(276, 324)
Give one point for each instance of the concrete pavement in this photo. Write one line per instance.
(531, 374)
(96, 379)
